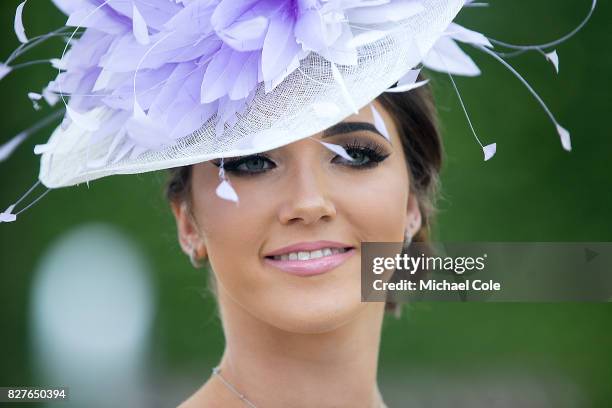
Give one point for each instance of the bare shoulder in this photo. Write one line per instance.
(208, 395)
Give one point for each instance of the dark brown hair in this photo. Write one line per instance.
(415, 117)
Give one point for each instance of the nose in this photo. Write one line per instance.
(308, 198)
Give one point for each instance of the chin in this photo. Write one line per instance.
(319, 316)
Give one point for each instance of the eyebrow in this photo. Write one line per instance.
(348, 127)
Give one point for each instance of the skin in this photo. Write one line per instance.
(298, 341)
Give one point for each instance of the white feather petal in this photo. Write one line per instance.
(489, 150)
(345, 93)
(4, 70)
(19, 29)
(84, 121)
(34, 96)
(566, 140)
(553, 57)
(7, 215)
(337, 149)
(226, 191)
(379, 123)
(408, 87)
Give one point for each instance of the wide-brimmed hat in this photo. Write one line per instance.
(154, 84)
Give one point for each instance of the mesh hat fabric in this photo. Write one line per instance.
(296, 108)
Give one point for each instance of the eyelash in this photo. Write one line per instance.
(373, 151)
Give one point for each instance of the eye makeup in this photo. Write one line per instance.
(366, 153)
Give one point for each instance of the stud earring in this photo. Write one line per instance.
(408, 238)
(193, 258)
(408, 234)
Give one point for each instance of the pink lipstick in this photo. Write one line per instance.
(309, 258)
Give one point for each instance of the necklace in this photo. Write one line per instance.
(217, 371)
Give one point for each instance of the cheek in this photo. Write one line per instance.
(233, 233)
(376, 205)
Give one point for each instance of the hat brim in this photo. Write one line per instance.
(290, 112)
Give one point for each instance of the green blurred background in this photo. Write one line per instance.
(532, 190)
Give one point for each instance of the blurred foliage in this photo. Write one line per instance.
(532, 190)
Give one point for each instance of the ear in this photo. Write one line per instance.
(413, 215)
(188, 232)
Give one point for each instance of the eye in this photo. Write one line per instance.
(247, 165)
(360, 156)
(364, 154)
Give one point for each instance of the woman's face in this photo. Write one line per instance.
(302, 193)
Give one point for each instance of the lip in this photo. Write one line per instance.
(310, 267)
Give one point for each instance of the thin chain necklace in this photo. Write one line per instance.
(217, 371)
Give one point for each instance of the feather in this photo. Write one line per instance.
(245, 79)
(84, 121)
(43, 148)
(139, 27)
(7, 215)
(345, 93)
(339, 150)
(226, 191)
(34, 96)
(279, 48)
(50, 97)
(19, 29)
(566, 141)
(7, 148)
(407, 87)
(563, 133)
(379, 123)
(245, 35)
(58, 63)
(489, 150)
(465, 35)
(554, 59)
(447, 56)
(4, 70)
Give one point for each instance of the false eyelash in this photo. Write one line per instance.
(231, 164)
(372, 149)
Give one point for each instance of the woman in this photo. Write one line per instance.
(296, 129)
(296, 332)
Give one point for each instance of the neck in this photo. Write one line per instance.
(274, 367)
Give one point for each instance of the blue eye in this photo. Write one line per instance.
(364, 155)
(247, 165)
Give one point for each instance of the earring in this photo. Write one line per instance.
(408, 238)
(408, 235)
(193, 258)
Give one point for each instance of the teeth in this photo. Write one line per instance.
(306, 255)
(316, 254)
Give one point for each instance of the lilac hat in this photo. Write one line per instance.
(146, 85)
